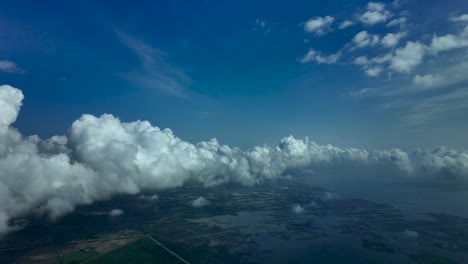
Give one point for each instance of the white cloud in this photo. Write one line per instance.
(102, 157)
(401, 21)
(319, 25)
(313, 55)
(392, 39)
(364, 39)
(371, 67)
(376, 13)
(408, 57)
(373, 71)
(200, 202)
(346, 24)
(375, 6)
(116, 212)
(10, 67)
(461, 18)
(297, 209)
(427, 80)
(448, 42)
(361, 60)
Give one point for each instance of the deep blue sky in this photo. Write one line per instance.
(239, 70)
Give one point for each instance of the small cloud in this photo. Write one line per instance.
(449, 42)
(297, 209)
(376, 13)
(401, 21)
(396, 3)
(462, 18)
(153, 197)
(316, 56)
(411, 234)
(10, 67)
(372, 67)
(427, 80)
(373, 71)
(408, 57)
(329, 196)
(346, 24)
(116, 212)
(200, 202)
(362, 93)
(392, 39)
(364, 39)
(319, 25)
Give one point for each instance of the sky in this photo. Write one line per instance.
(362, 74)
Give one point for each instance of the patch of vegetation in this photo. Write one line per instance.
(141, 251)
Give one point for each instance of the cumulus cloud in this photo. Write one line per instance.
(103, 156)
(462, 18)
(364, 39)
(297, 209)
(10, 67)
(346, 24)
(116, 212)
(449, 42)
(427, 80)
(372, 67)
(373, 71)
(200, 202)
(408, 57)
(319, 25)
(376, 13)
(316, 56)
(392, 39)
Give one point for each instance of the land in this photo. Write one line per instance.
(240, 225)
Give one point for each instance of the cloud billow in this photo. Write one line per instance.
(103, 156)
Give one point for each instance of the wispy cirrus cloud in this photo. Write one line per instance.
(154, 71)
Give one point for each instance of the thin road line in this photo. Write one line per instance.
(168, 250)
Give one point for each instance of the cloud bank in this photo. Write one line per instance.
(103, 156)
